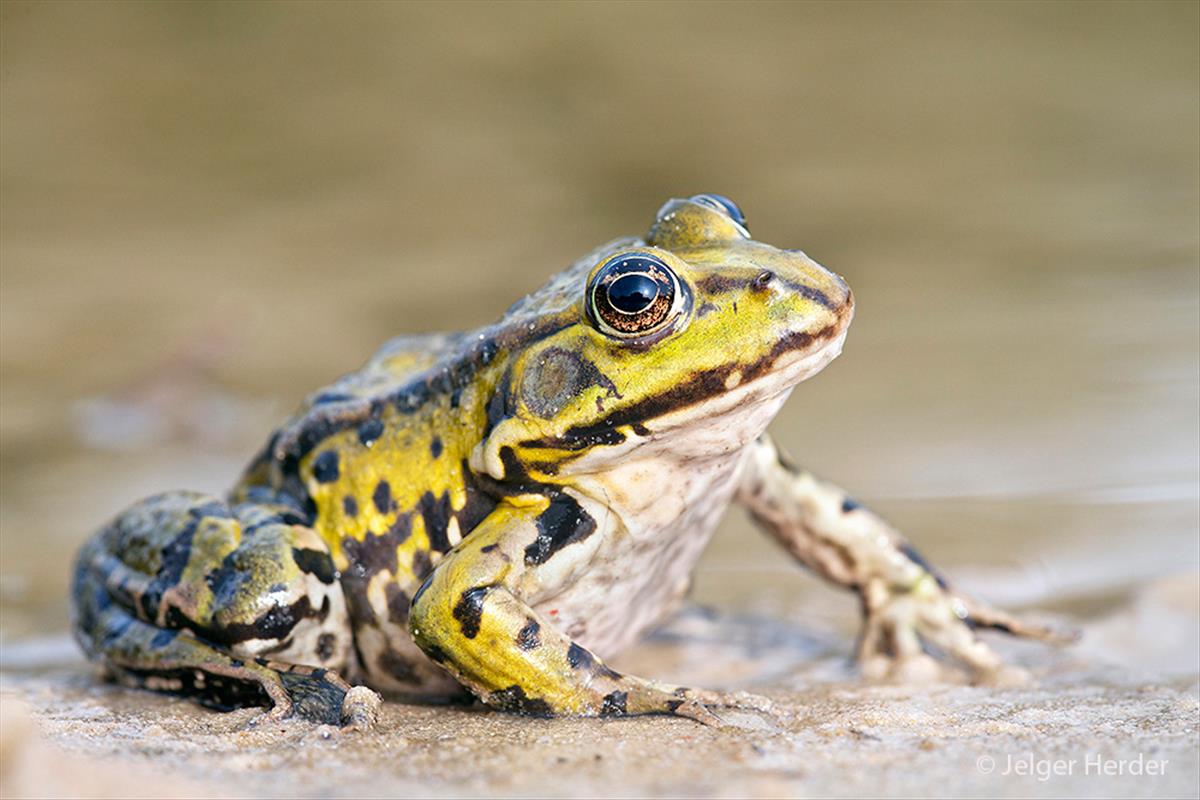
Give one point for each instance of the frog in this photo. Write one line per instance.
(501, 510)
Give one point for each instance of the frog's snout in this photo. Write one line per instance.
(818, 292)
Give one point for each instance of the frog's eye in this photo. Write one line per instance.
(723, 204)
(632, 295)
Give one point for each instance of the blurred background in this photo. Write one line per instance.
(208, 210)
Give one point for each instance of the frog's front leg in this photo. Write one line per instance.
(233, 605)
(473, 616)
(906, 603)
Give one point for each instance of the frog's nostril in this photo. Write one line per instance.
(763, 279)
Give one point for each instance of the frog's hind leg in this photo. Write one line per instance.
(139, 654)
(182, 593)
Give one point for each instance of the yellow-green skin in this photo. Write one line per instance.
(491, 507)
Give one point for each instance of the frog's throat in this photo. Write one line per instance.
(717, 394)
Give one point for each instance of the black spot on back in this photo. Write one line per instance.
(370, 431)
(382, 497)
(325, 467)
(435, 447)
(331, 397)
(349, 506)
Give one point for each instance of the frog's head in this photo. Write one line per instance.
(692, 336)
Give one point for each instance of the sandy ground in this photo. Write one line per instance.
(1086, 725)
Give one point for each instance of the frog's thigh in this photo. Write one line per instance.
(470, 617)
(182, 593)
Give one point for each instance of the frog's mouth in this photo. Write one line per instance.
(796, 358)
(718, 394)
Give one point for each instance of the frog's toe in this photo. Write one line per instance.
(733, 715)
(1006, 676)
(700, 712)
(900, 627)
(737, 700)
(360, 709)
(983, 616)
(918, 668)
(732, 711)
(753, 702)
(281, 710)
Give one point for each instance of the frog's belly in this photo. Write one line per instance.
(644, 569)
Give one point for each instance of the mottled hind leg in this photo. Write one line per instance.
(906, 603)
(234, 606)
(472, 617)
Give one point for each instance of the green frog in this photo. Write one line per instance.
(501, 509)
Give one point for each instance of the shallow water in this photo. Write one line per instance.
(207, 211)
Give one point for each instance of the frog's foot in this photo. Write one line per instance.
(181, 663)
(326, 700)
(205, 591)
(322, 696)
(902, 624)
(139, 653)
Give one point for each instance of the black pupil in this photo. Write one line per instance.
(632, 293)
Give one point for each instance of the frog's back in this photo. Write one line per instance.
(377, 461)
(393, 438)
